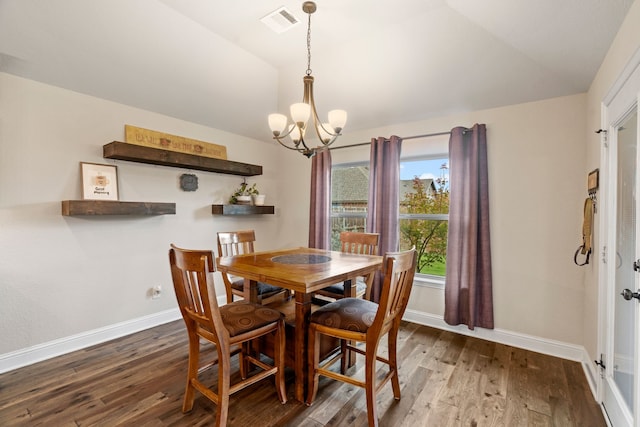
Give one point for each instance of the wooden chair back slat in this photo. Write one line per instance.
(359, 243)
(399, 269)
(236, 242)
(195, 291)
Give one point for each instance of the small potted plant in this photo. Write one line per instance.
(242, 195)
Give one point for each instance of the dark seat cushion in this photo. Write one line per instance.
(263, 288)
(351, 314)
(338, 288)
(242, 316)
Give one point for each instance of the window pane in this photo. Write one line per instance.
(424, 208)
(430, 240)
(349, 195)
(426, 192)
(339, 225)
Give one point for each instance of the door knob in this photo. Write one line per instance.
(628, 294)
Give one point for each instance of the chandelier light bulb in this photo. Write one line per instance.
(277, 123)
(300, 113)
(324, 131)
(337, 118)
(295, 134)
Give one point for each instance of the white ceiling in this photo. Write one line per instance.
(384, 61)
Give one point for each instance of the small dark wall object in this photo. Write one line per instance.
(188, 182)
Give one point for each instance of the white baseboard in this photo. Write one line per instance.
(591, 372)
(528, 342)
(37, 353)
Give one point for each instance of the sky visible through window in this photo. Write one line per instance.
(424, 169)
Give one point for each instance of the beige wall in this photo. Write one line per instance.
(537, 188)
(61, 276)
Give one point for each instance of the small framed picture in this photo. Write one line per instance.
(99, 182)
(593, 181)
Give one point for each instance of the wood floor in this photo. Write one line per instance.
(446, 379)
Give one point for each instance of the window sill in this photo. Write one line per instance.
(428, 282)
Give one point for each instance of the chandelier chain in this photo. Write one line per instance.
(309, 45)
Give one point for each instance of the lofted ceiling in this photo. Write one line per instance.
(215, 63)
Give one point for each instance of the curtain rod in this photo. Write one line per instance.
(403, 138)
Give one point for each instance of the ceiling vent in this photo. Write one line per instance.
(280, 20)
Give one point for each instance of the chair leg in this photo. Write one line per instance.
(242, 361)
(224, 385)
(279, 361)
(344, 357)
(393, 361)
(192, 372)
(370, 385)
(313, 361)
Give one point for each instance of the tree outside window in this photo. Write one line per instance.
(424, 222)
(424, 208)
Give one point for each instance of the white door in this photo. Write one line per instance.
(620, 391)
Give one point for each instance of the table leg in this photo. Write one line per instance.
(303, 311)
(251, 290)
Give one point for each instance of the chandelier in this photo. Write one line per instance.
(326, 132)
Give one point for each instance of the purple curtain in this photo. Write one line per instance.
(320, 209)
(468, 288)
(384, 198)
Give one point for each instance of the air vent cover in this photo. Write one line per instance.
(280, 20)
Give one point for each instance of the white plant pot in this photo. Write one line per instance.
(244, 200)
(258, 199)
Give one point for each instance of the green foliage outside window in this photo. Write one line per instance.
(428, 236)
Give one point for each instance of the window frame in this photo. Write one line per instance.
(421, 279)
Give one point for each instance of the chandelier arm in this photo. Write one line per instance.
(285, 145)
(309, 152)
(285, 134)
(304, 144)
(317, 124)
(296, 145)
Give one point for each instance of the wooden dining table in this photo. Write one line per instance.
(303, 271)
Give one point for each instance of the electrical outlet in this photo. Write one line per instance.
(156, 291)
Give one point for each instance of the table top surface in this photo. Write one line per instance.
(300, 269)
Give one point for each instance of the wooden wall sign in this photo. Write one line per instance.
(593, 181)
(150, 138)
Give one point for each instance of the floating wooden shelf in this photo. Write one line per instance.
(113, 207)
(154, 156)
(241, 210)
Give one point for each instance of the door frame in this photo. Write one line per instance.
(621, 99)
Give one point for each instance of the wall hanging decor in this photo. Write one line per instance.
(99, 182)
(188, 182)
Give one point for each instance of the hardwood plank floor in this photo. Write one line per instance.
(447, 379)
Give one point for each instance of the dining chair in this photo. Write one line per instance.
(354, 243)
(242, 242)
(363, 321)
(231, 327)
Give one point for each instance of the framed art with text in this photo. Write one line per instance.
(99, 182)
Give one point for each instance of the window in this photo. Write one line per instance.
(424, 208)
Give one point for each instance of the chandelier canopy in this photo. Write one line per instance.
(326, 132)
